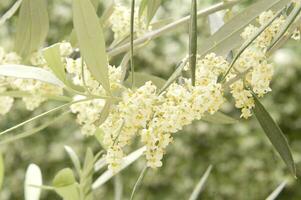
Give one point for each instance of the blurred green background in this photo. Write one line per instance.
(245, 166)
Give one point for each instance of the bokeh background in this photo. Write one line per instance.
(245, 166)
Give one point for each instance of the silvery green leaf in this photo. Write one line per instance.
(200, 186)
(277, 191)
(32, 131)
(275, 135)
(10, 12)
(138, 182)
(32, 28)
(29, 72)
(74, 158)
(219, 118)
(86, 176)
(216, 21)
(228, 37)
(65, 185)
(128, 160)
(91, 41)
(152, 7)
(141, 78)
(53, 58)
(33, 176)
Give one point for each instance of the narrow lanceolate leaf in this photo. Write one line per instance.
(132, 42)
(29, 72)
(87, 176)
(10, 12)
(247, 43)
(228, 36)
(53, 58)
(104, 113)
(276, 192)
(33, 131)
(141, 78)
(128, 160)
(1, 170)
(193, 40)
(219, 118)
(200, 186)
(142, 7)
(175, 75)
(91, 41)
(33, 25)
(291, 18)
(138, 182)
(74, 158)
(152, 8)
(274, 134)
(216, 21)
(65, 185)
(107, 14)
(33, 176)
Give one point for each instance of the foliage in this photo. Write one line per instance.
(103, 100)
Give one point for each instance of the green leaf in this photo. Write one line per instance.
(219, 118)
(86, 176)
(43, 115)
(52, 56)
(95, 4)
(128, 160)
(275, 135)
(65, 185)
(138, 182)
(99, 134)
(152, 7)
(141, 78)
(33, 176)
(10, 12)
(54, 61)
(216, 21)
(289, 21)
(175, 75)
(248, 42)
(142, 7)
(74, 158)
(107, 14)
(1, 170)
(228, 36)
(29, 72)
(33, 25)
(91, 41)
(193, 40)
(200, 186)
(33, 131)
(104, 113)
(277, 191)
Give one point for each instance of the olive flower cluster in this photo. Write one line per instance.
(120, 22)
(254, 60)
